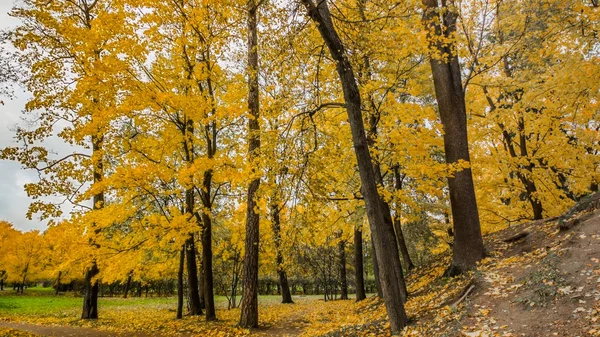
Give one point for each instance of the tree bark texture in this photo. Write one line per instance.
(180, 283)
(376, 269)
(249, 306)
(343, 277)
(385, 241)
(90, 297)
(468, 244)
(398, 223)
(359, 272)
(207, 255)
(127, 285)
(192, 271)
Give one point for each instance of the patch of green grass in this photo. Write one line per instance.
(42, 302)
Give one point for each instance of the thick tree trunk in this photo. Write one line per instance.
(249, 310)
(180, 284)
(201, 288)
(192, 268)
(376, 270)
(398, 224)
(286, 295)
(389, 226)
(536, 204)
(57, 283)
(468, 243)
(385, 241)
(90, 297)
(359, 265)
(207, 256)
(127, 285)
(343, 277)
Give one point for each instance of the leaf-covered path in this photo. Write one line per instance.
(68, 331)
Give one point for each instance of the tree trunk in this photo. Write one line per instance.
(286, 295)
(402, 243)
(201, 288)
(234, 280)
(57, 283)
(127, 285)
(388, 224)
(90, 297)
(207, 256)
(249, 310)
(468, 243)
(180, 283)
(359, 265)
(376, 270)
(343, 277)
(372, 133)
(385, 241)
(398, 224)
(192, 268)
(190, 211)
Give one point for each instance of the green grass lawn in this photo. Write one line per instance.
(41, 302)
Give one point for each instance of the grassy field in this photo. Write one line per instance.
(154, 314)
(42, 302)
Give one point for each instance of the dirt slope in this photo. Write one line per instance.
(538, 281)
(546, 284)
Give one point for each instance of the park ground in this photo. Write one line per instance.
(537, 281)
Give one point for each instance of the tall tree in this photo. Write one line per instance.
(385, 241)
(90, 296)
(70, 54)
(249, 310)
(440, 22)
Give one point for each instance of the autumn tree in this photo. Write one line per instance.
(517, 70)
(249, 312)
(440, 22)
(69, 49)
(385, 241)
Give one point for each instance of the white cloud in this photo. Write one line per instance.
(13, 199)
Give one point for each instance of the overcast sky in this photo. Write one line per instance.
(13, 199)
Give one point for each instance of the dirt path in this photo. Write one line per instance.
(66, 331)
(558, 295)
